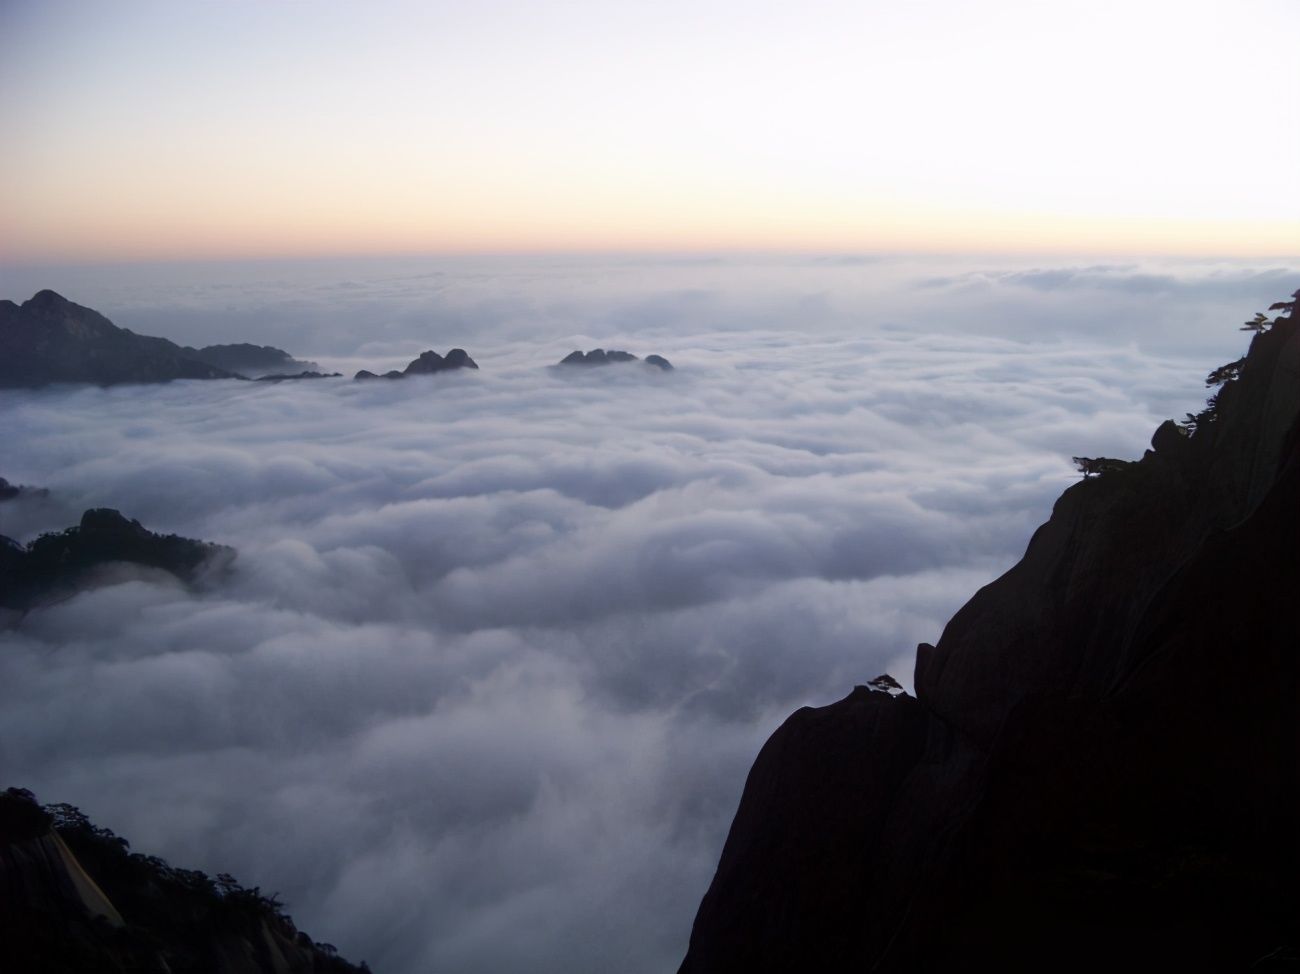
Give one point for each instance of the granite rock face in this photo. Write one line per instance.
(1099, 769)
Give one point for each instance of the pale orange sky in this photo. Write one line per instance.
(141, 130)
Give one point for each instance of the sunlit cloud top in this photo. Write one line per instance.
(174, 129)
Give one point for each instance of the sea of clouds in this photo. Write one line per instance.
(480, 690)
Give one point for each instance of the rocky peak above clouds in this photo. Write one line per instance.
(427, 363)
(61, 563)
(599, 356)
(49, 339)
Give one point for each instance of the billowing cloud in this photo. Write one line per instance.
(1238, 282)
(481, 688)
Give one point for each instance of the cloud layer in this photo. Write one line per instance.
(482, 687)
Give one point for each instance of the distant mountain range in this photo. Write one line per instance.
(50, 339)
(253, 361)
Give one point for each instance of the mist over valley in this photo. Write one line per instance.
(481, 686)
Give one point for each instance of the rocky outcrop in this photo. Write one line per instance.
(1099, 769)
(253, 361)
(73, 899)
(58, 564)
(599, 356)
(427, 364)
(431, 361)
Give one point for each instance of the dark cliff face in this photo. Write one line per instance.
(74, 899)
(1052, 620)
(49, 339)
(1100, 768)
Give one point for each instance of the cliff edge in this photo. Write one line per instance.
(1099, 769)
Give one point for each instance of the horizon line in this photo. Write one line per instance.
(686, 254)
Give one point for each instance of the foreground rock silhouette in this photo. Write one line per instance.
(1099, 768)
(74, 900)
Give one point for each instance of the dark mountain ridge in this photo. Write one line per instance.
(49, 339)
(1099, 768)
(253, 361)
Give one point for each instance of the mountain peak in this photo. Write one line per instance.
(428, 363)
(51, 339)
(46, 298)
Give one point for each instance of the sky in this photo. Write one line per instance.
(481, 687)
(148, 129)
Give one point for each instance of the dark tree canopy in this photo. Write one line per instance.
(1095, 466)
(886, 684)
(1287, 306)
(1225, 373)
